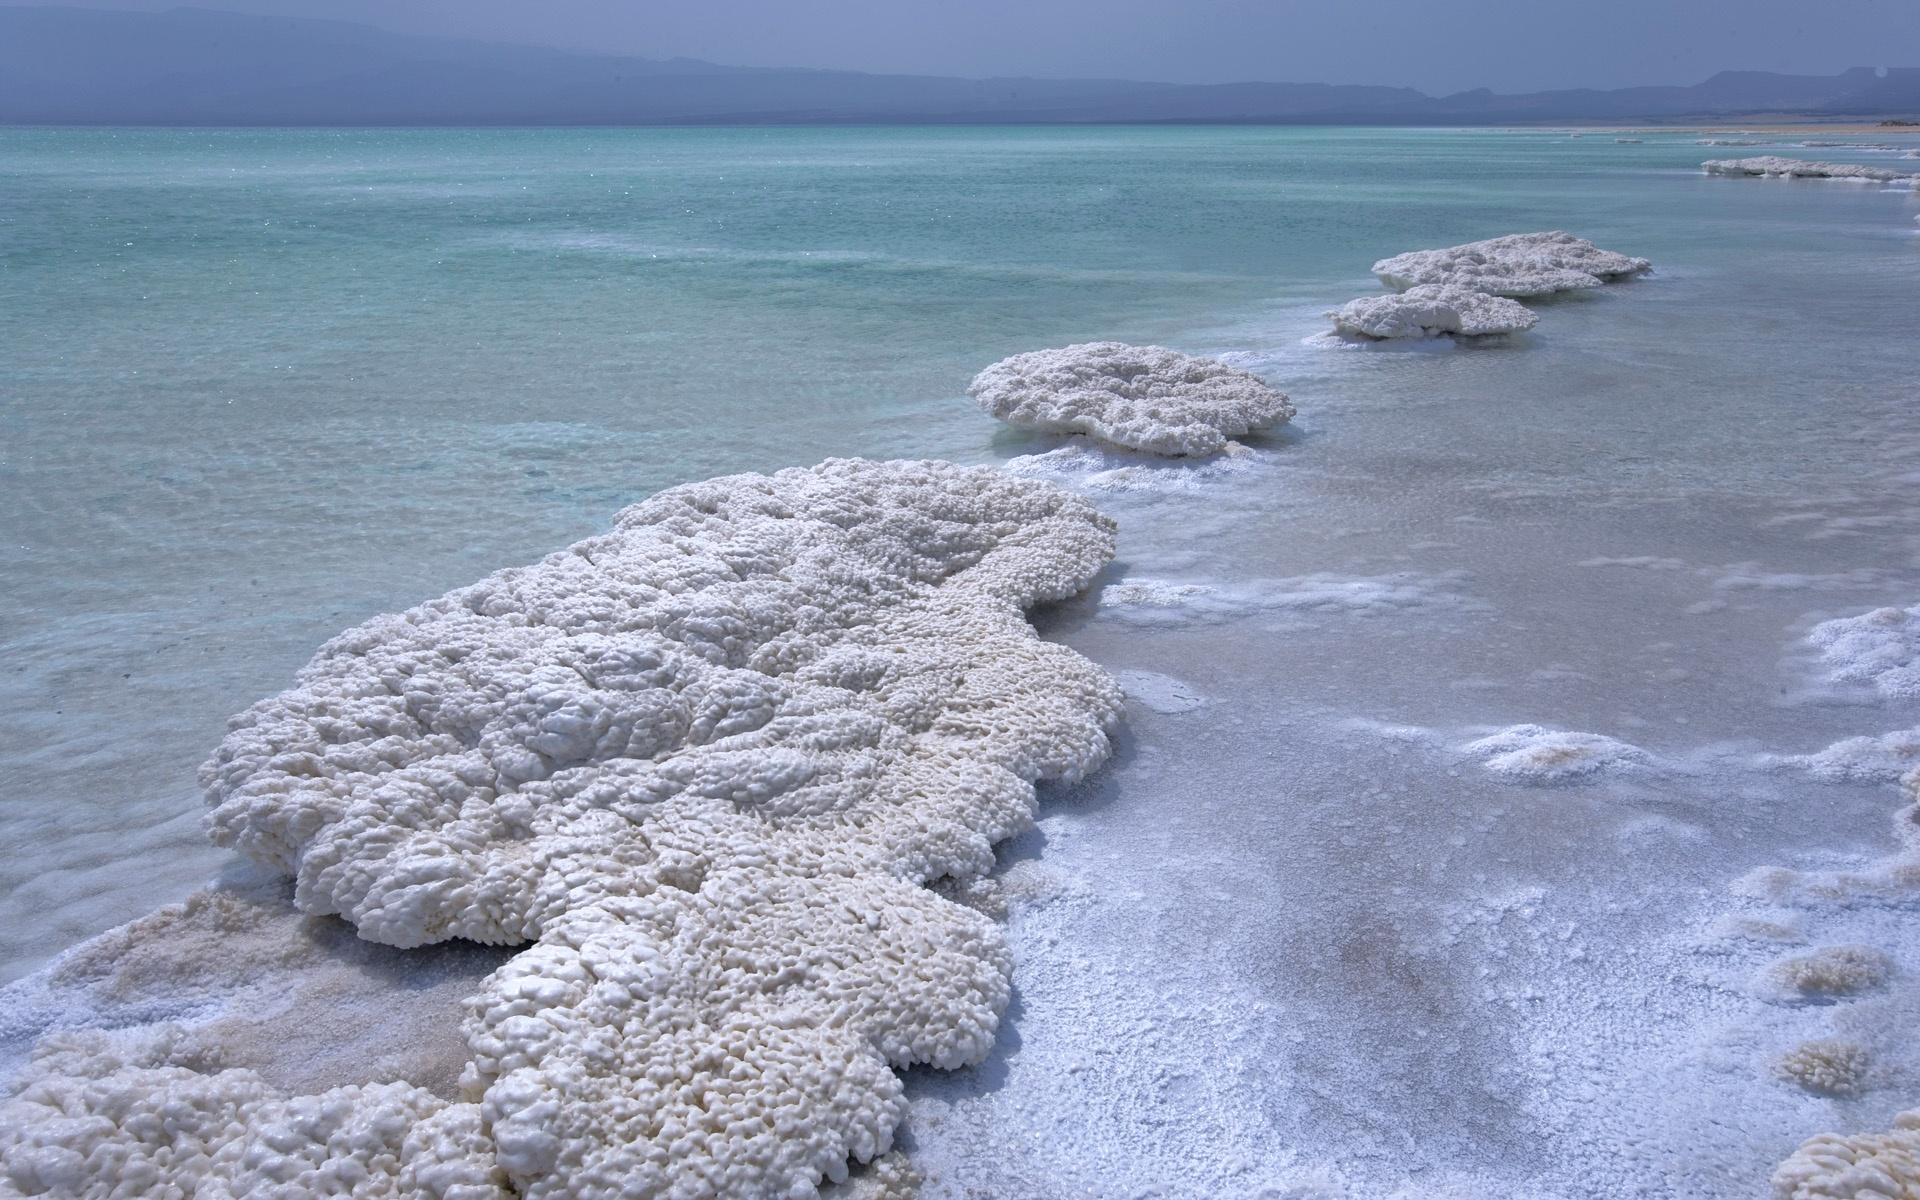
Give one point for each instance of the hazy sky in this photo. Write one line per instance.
(1508, 45)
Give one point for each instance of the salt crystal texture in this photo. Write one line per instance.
(1776, 167)
(705, 763)
(1832, 971)
(1135, 397)
(1881, 648)
(1882, 759)
(1826, 1066)
(1432, 310)
(1519, 264)
(1863, 1166)
(1536, 754)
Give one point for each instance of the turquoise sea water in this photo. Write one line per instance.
(256, 386)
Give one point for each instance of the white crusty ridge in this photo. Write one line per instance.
(706, 761)
(1864, 1166)
(155, 1114)
(1519, 264)
(1536, 754)
(1136, 397)
(1432, 310)
(1881, 648)
(1774, 166)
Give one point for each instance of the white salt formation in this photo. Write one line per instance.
(1826, 1066)
(1774, 166)
(1135, 397)
(1880, 648)
(1536, 754)
(1833, 971)
(705, 762)
(1883, 759)
(1519, 264)
(1865, 1166)
(1432, 310)
(157, 1115)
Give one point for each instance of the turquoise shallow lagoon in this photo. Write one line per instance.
(257, 386)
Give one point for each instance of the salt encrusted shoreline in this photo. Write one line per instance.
(705, 762)
(1775, 167)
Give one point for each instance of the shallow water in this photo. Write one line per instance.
(258, 386)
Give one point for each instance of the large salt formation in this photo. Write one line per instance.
(1773, 166)
(1865, 1166)
(705, 763)
(1432, 310)
(1135, 397)
(1519, 264)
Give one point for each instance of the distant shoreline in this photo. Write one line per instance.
(1731, 125)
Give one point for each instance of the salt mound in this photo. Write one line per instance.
(1773, 166)
(1832, 971)
(1827, 1067)
(1881, 648)
(705, 761)
(1432, 310)
(1136, 397)
(1864, 1166)
(1519, 264)
(1536, 754)
(1883, 759)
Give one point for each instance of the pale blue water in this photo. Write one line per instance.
(255, 386)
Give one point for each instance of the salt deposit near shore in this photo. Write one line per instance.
(1432, 310)
(705, 763)
(1518, 264)
(1880, 649)
(1135, 397)
(1774, 166)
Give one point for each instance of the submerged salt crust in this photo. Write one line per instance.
(1518, 264)
(705, 763)
(1774, 166)
(1135, 397)
(1432, 310)
(1098, 468)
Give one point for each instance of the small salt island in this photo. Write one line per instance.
(1432, 310)
(1519, 264)
(1146, 398)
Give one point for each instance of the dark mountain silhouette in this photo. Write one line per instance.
(204, 67)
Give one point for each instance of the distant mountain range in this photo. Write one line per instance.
(194, 66)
